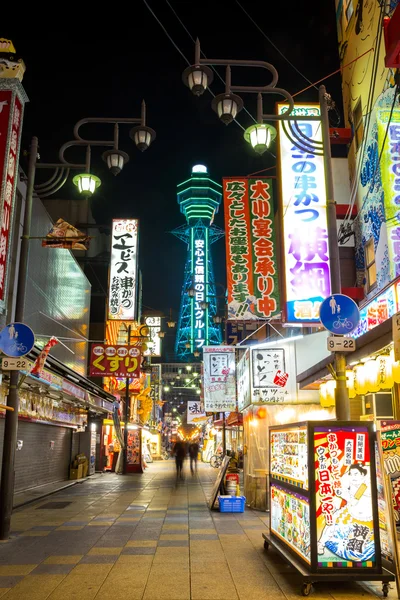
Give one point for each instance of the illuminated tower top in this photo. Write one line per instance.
(199, 197)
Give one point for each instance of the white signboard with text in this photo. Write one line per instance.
(219, 378)
(195, 412)
(273, 374)
(243, 381)
(122, 293)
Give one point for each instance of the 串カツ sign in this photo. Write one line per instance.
(122, 293)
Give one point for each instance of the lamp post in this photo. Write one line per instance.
(86, 183)
(227, 105)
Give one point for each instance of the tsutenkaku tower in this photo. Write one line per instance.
(199, 198)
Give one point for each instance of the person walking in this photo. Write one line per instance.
(193, 453)
(179, 452)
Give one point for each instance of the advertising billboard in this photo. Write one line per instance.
(252, 268)
(304, 216)
(195, 412)
(219, 378)
(273, 374)
(11, 111)
(122, 293)
(344, 507)
(115, 361)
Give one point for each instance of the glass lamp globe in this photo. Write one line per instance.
(260, 136)
(115, 159)
(227, 107)
(197, 78)
(143, 136)
(86, 183)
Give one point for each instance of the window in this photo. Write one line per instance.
(370, 266)
(358, 124)
(348, 11)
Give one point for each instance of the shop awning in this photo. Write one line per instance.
(233, 420)
(366, 345)
(69, 383)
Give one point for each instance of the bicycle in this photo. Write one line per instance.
(343, 323)
(216, 460)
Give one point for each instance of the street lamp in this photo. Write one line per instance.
(259, 139)
(217, 319)
(86, 184)
(196, 354)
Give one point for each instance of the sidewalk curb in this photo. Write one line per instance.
(46, 494)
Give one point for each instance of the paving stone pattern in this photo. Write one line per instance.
(145, 537)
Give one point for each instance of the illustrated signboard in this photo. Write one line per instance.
(273, 374)
(378, 310)
(114, 361)
(122, 293)
(290, 520)
(388, 121)
(252, 270)
(195, 412)
(133, 453)
(289, 456)
(219, 378)
(390, 442)
(304, 213)
(344, 507)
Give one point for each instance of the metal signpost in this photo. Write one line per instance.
(340, 315)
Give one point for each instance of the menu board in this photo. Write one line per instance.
(289, 456)
(390, 438)
(290, 520)
(344, 508)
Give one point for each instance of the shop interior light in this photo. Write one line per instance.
(188, 367)
(86, 184)
(198, 391)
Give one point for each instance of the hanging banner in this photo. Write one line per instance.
(343, 486)
(219, 378)
(64, 235)
(115, 361)
(40, 362)
(243, 381)
(252, 270)
(390, 177)
(11, 112)
(273, 374)
(305, 228)
(122, 293)
(195, 412)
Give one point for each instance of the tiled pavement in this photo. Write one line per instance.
(143, 537)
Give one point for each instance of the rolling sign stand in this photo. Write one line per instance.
(340, 315)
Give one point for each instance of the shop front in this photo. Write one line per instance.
(268, 395)
(141, 441)
(56, 422)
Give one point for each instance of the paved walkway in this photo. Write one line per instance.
(143, 537)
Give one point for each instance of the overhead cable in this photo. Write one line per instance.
(180, 51)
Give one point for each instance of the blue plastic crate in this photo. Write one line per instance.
(231, 504)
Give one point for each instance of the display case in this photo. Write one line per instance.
(326, 503)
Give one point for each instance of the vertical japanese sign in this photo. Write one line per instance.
(273, 375)
(154, 325)
(390, 177)
(252, 271)
(343, 485)
(219, 378)
(305, 229)
(11, 110)
(195, 412)
(122, 293)
(199, 318)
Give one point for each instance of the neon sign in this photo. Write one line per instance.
(305, 230)
(123, 270)
(199, 320)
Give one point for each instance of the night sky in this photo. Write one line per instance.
(103, 62)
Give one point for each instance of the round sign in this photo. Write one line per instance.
(16, 339)
(339, 314)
